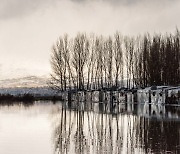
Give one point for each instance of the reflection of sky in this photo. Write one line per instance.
(49, 128)
(25, 130)
(29, 28)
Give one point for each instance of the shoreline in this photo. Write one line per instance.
(28, 98)
(158, 94)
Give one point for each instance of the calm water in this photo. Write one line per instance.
(47, 128)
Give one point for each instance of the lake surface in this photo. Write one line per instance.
(93, 128)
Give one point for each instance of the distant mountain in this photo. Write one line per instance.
(28, 81)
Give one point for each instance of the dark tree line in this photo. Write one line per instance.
(159, 60)
(97, 62)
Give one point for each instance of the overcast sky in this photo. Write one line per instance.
(28, 28)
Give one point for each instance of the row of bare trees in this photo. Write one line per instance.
(97, 62)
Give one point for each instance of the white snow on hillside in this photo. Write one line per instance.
(29, 81)
(37, 86)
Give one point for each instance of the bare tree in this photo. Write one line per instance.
(57, 64)
(109, 61)
(80, 54)
(118, 59)
(129, 54)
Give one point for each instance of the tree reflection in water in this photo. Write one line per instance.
(122, 128)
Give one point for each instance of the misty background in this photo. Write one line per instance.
(28, 29)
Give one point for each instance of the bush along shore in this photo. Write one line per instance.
(28, 98)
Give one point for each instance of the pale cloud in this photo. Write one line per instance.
(19, 8)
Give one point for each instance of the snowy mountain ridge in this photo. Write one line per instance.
(28, 82)
(36, 86)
